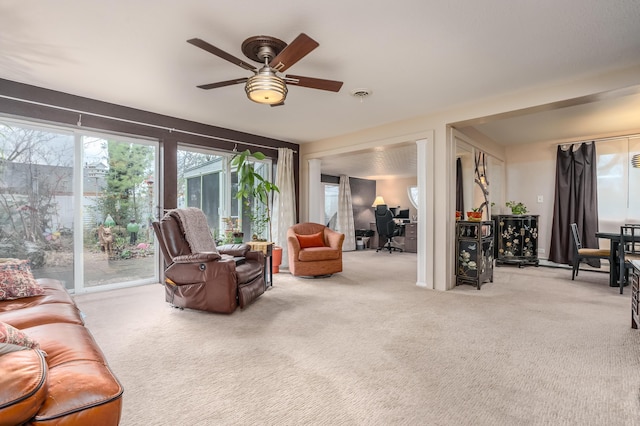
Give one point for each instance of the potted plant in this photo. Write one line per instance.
(253, 187)
(475, 215)
(516, 208)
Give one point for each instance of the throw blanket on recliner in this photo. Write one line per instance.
(196, 229)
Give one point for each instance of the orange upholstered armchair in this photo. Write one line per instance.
(314, 250)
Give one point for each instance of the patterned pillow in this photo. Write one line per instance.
(11, 335)
(16, 280)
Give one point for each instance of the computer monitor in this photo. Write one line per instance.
(403, 214)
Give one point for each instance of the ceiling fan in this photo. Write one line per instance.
(265, 86)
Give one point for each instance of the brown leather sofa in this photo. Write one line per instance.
(216, 281)
(314, 249)
(68, 380)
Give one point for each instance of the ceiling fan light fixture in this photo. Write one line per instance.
(266, 87)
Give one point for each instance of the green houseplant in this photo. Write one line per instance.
(516, 208)
(252, 186)
(475, 214)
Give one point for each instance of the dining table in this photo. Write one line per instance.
(614, 259)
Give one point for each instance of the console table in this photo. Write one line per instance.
(474, 252)
(516, 239)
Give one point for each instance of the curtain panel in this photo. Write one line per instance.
(345, 223)
(284, 202)
(576, 201)
(459, 187)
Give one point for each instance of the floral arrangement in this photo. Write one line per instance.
(233, 224)
(233, 230)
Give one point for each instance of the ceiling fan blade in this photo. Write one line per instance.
(313, 83)
(220, 53)
(296, 50)
(223, 83)
(280, 104)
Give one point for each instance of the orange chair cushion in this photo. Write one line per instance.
(311, 240)
(317, 254)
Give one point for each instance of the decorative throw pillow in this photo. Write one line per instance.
(11, 335)
(16, 280)
(311, 240)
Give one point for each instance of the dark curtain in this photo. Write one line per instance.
(459, 192)
(576, 201)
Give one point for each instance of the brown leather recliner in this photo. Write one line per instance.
(314, 249)
(217, 280)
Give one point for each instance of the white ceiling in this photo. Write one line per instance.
(417, 57)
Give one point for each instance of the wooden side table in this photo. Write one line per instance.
(474, 252)
(265, 247)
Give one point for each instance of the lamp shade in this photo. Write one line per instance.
(378, 200)
(266, 88)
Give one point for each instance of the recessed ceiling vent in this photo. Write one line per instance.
(361, 93)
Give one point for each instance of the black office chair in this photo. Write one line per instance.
(386, 227)
(580, 253)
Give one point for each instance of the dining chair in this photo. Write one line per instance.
(581, 253)
(628, 250)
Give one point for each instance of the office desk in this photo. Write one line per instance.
(406, 230)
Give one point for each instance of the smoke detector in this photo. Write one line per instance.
(360, 93)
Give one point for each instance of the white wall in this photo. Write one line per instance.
(395, 192)
(530, 172)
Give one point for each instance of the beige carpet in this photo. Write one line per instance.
(368, 347)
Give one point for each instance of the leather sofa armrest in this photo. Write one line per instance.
(23, 385)
(333, 238)
(235, 250)
(197, 257)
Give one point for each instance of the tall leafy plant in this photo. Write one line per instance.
(252, 185)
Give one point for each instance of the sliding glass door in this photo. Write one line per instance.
(118, 206)
(37, 198)
(77, 205)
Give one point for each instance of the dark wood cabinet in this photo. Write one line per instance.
(474, 252)
(411, 237)
(516, 239)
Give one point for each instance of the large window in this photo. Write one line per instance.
(207, 181)
(618, 183)
(331, 204)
